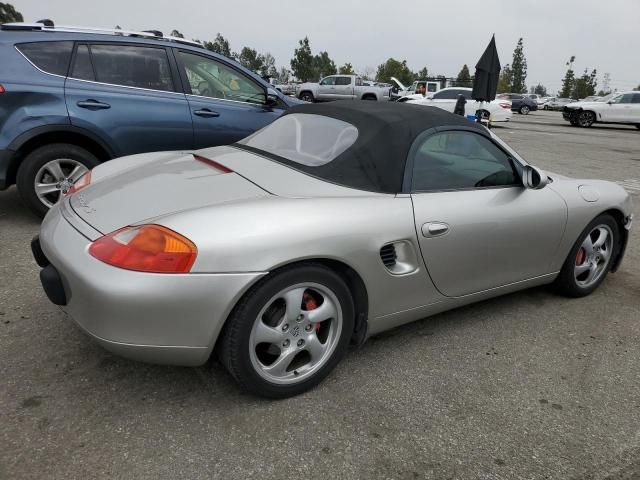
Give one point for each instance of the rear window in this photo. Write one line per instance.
(310, 140)
(50, 57)
(141, 67)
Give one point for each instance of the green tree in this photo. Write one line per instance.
(323, 66)
(464, 77)
(346, 69)
(220, 45)
(540, 90)
(585, 85)
(519, 70)
(176, 33)
(251, 59)
(569, 80)
(268, 69)
(282, 76)
(302, 64)
(422, 74)
(8, 14)
(395, 68)
(504, 82)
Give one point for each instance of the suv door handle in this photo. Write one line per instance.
(93, 104)
(205, 112)
(434, 229)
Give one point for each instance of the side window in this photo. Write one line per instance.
(343, 81)
(359, 83)
(636, 98)
(50, 57)
(142, 67)
(82, 67)
(460, 160)
(209, 78)
(626, 98)
(328, 81)
(445, 95)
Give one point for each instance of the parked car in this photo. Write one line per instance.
(557, 103)
(539, 99)
(286, 88)
(519, 102)
(496, 111)
(72, 98)
(340, 87)
(622, 108)
(401, 91)
(280, 250)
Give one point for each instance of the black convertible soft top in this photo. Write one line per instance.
(386, 131)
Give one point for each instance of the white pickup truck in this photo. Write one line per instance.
(340, 87)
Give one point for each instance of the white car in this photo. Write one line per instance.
(498, 110)
(402, 91)
(621, 108)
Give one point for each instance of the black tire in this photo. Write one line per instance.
(585, 118)
(35, 160)
(573, 120)
(307, 97)
(565, 284)
(638, 126)
(524, 110)
(234, 345)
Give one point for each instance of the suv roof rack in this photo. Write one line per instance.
(151, 34)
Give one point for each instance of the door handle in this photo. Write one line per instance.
(205, 112)
(93, 104)
(434, 229)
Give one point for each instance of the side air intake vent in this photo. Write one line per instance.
(388, 255)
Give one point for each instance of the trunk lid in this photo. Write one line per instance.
(135, 189)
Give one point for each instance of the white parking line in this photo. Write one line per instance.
(630, 184)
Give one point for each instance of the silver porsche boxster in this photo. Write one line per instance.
(335, 222)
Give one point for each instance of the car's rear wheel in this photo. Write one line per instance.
(586, 119)
(524, 110)
(590, 259)
(289, 331)
(638, 126)
(48, 172)
(307, 97)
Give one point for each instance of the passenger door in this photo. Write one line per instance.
(477, 226)
(344, 88)
(327, 88)
(226, 105)
(619, 109)
(129, 95)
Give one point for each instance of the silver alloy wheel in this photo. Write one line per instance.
(306, 97)
(593, 256)
(524, 110)
(295, 333)
(55, 178)
(585, 119)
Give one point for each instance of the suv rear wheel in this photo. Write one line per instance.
(48, 172)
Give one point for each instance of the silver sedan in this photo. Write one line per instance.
(334, 223)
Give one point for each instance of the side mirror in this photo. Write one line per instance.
(609, 102)
(534, 178)
(272, 97)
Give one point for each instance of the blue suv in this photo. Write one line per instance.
(72, 98)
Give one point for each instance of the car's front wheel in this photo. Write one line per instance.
(524, 110)
(307, 97)
(590, 259)
(48, 172)
(289, 331)
(586, 119)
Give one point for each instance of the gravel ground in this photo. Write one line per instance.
(527, 386)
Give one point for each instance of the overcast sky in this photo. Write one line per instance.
(440, 35)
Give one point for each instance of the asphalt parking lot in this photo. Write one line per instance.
(527, 386)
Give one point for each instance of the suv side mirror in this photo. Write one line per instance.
(534, 178)
(272, 97)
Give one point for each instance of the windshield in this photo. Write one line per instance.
(310, 140)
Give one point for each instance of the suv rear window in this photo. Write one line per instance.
(142, 67)
(50, 57)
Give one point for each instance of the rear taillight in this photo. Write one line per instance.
(146, 248)
(2, 89)
(82, 182)
(505, 105)
(213, 163)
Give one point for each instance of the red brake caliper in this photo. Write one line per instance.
(580, 256)
(310, 304)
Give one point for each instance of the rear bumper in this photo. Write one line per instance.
(5, 162)
(158, 318)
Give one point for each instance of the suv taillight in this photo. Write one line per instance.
(1, 89)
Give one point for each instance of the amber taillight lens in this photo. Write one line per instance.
(146, 248)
